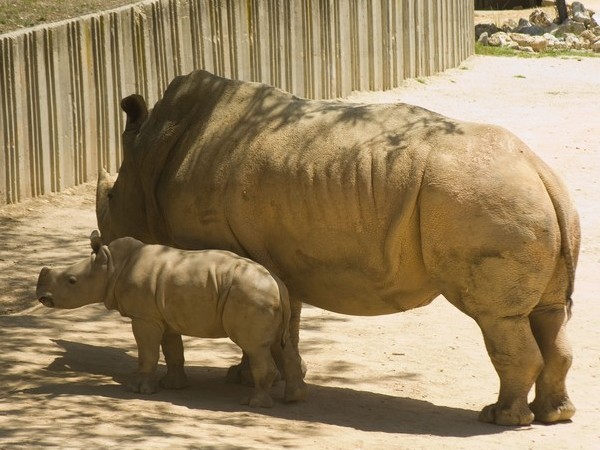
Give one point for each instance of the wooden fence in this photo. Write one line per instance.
(60, 84)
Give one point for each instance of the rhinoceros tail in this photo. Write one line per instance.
(568, 222)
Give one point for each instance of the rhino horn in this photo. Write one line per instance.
(103, 193)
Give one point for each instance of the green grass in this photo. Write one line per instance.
(503, 51)
(16, 14)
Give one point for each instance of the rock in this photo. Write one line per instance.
(539, 33)
(588, 35)
(551, 40)
(550, 37)
(569, 27)
(551, 28)
(483, 38)
(526, 49)
(500, 39)
(580, 13)
(577, 7)
(488, 28)
(523, 40)
(539, 18)
(539, 44)
(509, 25)
(573, 41)
(527, 27)
(561, 46)
(536, 43)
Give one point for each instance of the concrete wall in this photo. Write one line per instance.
(60, 84)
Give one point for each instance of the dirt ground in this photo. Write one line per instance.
(413, 380)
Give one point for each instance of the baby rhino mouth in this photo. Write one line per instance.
(46, 300)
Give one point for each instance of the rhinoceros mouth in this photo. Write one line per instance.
(46, 301)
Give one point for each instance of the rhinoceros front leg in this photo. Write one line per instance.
(241, 372)
(148, 335)
(172, 347)
(296, 312)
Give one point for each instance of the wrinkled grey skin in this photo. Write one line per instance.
(169, 292)
(366, 210)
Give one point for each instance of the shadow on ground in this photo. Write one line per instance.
(80, 374)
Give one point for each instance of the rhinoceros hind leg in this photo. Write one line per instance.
(241, 373)
(518, 415)
(518, 361)
(264, 372)
(293, 372)
(552, 403)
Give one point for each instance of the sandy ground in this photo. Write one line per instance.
(413, 380)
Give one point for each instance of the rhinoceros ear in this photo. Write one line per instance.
(96, 241)
(136, 110)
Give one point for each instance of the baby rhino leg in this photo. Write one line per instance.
(172, 347)
(252, 319)
(264, 372)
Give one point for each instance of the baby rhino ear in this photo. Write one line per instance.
(96, 241)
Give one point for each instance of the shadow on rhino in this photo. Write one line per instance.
(363, 210)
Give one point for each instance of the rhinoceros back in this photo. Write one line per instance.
(322, 193)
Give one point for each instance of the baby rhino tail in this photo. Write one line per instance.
(286, 312)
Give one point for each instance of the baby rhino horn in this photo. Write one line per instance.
(95, 241)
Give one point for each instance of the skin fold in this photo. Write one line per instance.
(169, 292)
(363, 210)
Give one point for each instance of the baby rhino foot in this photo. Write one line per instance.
(258, 400)
(551, 412)
(514, 416)
(296, 392)
(143, 384)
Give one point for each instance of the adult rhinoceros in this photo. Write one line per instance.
(364, 210)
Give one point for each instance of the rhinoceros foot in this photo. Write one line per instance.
(553, 411)
(295, 392)
(143, 384)
(517, 415)
(240, 374)
(258, 400)
(175, 378)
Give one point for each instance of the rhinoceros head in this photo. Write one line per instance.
(120, 206)
(76, 285)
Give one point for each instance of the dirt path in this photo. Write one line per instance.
(413, 380)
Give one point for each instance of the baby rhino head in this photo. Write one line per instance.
(76, 285)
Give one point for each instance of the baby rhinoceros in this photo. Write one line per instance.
(169, 292)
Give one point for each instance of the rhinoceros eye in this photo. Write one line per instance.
(72, 280)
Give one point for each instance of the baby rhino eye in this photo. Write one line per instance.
(72, 279)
